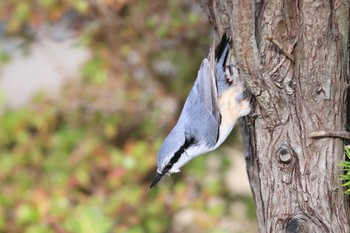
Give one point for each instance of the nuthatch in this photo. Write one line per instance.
(210, 112)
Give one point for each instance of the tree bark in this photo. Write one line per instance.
(294, 58)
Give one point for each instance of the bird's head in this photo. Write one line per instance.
(173, 155)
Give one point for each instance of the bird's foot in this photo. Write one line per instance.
(231, 74)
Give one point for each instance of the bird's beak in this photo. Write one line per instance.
(156, 179)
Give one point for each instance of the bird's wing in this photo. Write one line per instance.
(205, 86)
(201, 114)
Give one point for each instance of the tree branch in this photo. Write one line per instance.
(330, 133)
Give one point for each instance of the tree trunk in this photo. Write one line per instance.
(293, 56)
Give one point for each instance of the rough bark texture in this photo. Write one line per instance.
(293, 56)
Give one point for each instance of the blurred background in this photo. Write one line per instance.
(88, 91)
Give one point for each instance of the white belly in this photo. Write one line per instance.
(229, 109)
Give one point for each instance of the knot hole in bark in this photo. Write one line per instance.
(285, 154)
(296, 225)
(286, 159)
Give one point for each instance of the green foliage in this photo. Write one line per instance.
(346, 169)
(89, 219)
(22, 13)
(58, 170)
(4, 57)
(94, 71)
(85, 162)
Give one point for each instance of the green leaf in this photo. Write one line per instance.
(46, 3)
(346, 183)
(38, 228)
(27, 214)
(22, 11)
(89, 219)
(94, 70)
(81, 6)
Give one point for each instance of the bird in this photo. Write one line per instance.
(213, 106)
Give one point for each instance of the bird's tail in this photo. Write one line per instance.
(226, 72)
(223, 48)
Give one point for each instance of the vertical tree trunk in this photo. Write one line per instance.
(293, 56)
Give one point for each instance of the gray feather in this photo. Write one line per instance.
(200, 116)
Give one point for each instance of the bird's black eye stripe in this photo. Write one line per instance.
(177, 155)
(167, 168)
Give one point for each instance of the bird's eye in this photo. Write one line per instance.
(167, 167)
